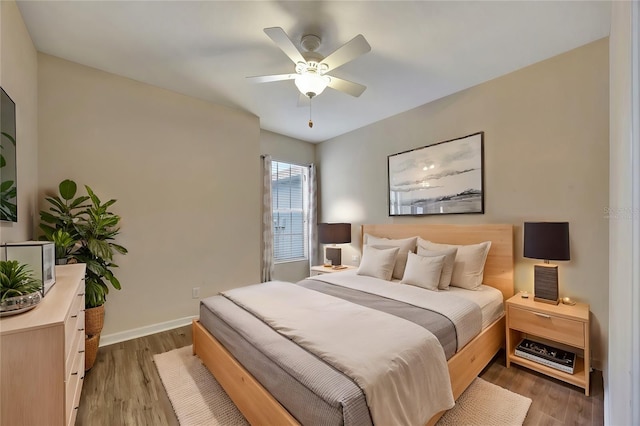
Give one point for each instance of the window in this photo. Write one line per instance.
(289, 191)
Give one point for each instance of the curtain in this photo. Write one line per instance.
(312, 216)
(267, 221)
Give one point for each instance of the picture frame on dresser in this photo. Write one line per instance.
(442, 178)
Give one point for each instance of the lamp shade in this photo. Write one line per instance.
(311, 84)
(334, 233)
(546, 240)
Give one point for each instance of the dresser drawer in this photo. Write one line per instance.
(75, 319)
(74, 342)
(547, 326)
(73, 387)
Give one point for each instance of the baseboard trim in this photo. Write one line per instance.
(110, 339)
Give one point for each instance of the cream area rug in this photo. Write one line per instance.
(198, 399)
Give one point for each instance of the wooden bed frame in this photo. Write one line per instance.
(261, 408)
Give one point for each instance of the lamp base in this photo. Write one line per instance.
(334, 254)
(546, 283)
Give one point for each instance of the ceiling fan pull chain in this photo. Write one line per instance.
(310, 121)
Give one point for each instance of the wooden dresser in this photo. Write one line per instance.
(42, 356)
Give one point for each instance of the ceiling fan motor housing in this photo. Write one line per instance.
(310, 42)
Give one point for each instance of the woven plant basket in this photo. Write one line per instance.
(93, 320)
(90, 351)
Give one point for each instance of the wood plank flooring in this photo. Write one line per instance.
(123, 388)
(554, 402)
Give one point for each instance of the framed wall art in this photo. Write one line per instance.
(442, 178)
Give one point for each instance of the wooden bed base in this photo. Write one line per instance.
(261, 408)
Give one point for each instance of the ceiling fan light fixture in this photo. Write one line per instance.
(311, 83)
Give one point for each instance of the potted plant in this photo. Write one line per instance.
(60, 223)
(65, 245)
(19, 290)
(93, 229)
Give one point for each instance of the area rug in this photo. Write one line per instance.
(198, 399)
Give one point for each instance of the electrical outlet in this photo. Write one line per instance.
(355, 258)
(195, 293)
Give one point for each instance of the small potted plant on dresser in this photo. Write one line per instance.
(19, 290)
(94, 229)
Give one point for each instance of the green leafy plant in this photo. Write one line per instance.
(92, 228)
(16, 279)
(65, 244)
(97, 234)
(65, 213)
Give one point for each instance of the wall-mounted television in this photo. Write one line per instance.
(8, 169)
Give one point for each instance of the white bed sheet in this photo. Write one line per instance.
(488, 298)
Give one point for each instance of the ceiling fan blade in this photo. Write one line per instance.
(347, 52)
(285, 44)
(353, 89)
(270, 78)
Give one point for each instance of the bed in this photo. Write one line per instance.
(261, 407)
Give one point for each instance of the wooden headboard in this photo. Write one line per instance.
(498, 270)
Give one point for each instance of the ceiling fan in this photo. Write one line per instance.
(312, 70)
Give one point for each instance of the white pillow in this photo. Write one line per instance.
(447, 267)
(377, 262)
(405, 245)
(468, 269)
(423, 271)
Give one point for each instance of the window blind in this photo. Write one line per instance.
(289, 195)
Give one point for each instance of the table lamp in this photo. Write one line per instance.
(334, 233)
(546, 241)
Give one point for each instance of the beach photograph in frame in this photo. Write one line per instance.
(442, 178)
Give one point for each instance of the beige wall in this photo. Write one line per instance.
(186, 176)
(290, 150)
(19, 78)
(546, 159)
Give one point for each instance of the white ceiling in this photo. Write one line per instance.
(421, 50)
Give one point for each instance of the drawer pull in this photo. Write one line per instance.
(542, 315)
(81, 329)
(80, 294)
(75, 408)
(82, 378)
(82, 351)
(74, 316)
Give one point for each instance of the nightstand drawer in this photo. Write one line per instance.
(548, 326)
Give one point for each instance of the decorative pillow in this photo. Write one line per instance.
(423, 271)
(468, 269)
(405, 245)
(447, 267)
(377, 262)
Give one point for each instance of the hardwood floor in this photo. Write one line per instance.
(553, 402)
(123, 388)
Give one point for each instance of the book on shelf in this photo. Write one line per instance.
(547, 355)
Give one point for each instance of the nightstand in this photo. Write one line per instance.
(319, 269)
(566, 325)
